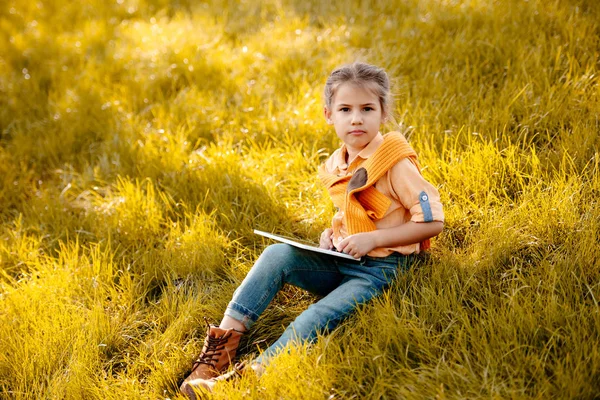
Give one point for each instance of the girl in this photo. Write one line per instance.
(386, 213)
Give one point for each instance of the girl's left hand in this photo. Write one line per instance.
(357, 245)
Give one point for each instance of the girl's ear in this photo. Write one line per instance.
(327, 113)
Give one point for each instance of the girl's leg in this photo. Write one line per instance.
(279, 264)
(229, 322)
(361, 283)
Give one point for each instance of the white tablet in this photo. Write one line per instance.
(305, 246)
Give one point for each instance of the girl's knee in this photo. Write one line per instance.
(280, 250)
(276, 258)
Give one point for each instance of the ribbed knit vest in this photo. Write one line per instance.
(356, 195)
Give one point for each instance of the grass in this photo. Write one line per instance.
(142, 141)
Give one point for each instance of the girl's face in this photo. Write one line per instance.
(356, 115)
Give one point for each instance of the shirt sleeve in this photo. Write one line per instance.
(417, 195)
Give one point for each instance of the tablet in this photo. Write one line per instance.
(305, 246)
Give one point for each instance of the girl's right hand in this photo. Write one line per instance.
(326, 241)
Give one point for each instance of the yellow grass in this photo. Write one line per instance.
(142, 141)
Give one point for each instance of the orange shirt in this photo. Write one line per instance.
(413, 198)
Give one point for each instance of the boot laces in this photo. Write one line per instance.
(213, 346)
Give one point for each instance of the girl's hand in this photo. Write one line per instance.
(326, 241)
(358, 245)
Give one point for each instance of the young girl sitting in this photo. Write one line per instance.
(386, 213)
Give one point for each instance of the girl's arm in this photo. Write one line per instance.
(408, 233)
(359, 244)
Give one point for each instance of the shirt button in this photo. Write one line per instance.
(424, 197)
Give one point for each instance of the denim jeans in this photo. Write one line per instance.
(343, 283)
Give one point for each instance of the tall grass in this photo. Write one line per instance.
(142, 141)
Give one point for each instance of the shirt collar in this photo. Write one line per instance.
(368, 151)
(371, 147)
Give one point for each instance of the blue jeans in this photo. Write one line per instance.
(343, 283)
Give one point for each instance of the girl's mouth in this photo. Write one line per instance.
(356, 132)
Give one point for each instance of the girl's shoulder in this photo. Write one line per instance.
(403, 170)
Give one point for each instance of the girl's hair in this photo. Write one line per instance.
(364, 75)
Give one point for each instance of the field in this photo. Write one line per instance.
(141, 141)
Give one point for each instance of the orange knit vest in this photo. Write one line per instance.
(355, 194)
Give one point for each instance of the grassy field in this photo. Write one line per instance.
(141, 141)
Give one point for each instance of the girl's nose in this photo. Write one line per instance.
(356, 119)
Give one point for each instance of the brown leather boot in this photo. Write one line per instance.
(220, 346)
(207, 385)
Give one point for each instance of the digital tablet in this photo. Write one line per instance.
(305, 246)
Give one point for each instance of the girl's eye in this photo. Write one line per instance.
(368, 108)
(344, 109)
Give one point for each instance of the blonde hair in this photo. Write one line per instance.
(364, 75)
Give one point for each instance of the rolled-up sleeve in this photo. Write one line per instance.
(417, 195)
